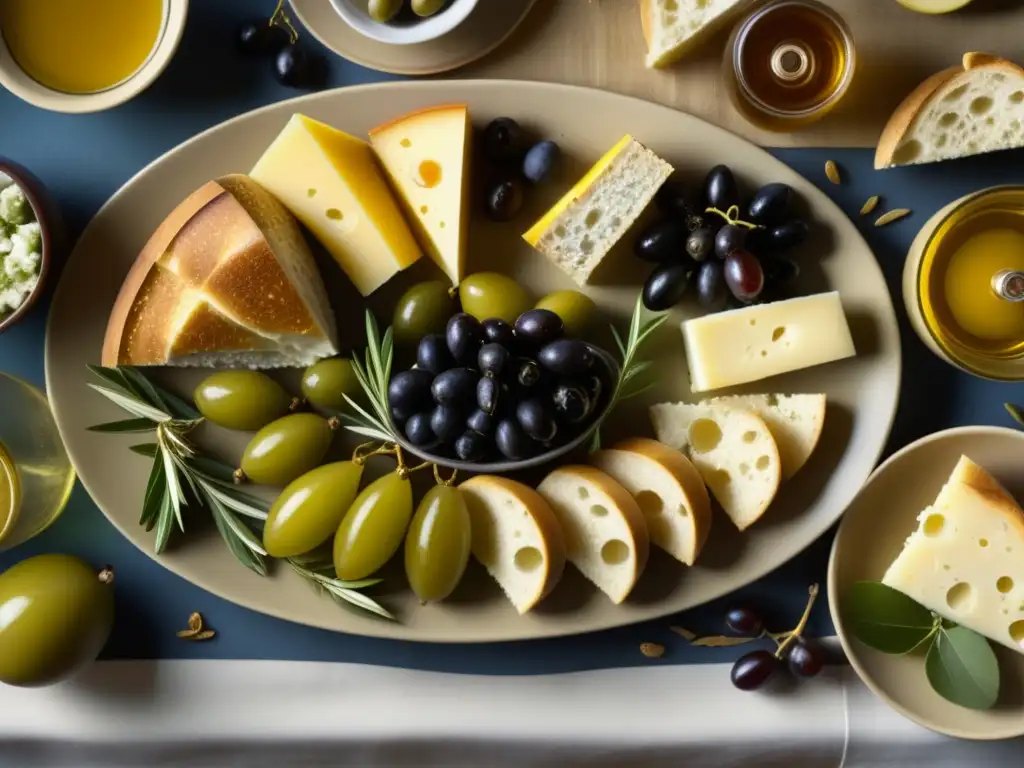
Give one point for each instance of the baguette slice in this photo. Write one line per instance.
(795, 422)
(733, 450)
(668, 489)
(516, 537)
(967, 110)
(226, 280)
(605, 533)
(672, 28)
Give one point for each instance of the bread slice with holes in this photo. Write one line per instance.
(673, 28)
(516, 537)
(732, 448)
(795, 422)
(605, 534)
(668, 490)
(967, 110)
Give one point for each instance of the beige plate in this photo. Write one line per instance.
(862, 392)
(488, 26)
(872, 535)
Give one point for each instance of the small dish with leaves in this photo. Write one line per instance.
(926, 584)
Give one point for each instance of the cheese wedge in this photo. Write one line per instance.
(733, 450)
(581, 228)
(667, 488)
(516, 537)
(605, 533)
(753, 343)
(426, 155)
(795, 422)
(965, 561)
(330, 181)
(672, 28)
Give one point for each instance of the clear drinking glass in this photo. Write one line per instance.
(36, 476)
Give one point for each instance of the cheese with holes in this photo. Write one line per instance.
(753, 343)
(426, 155)
(331, 182)
(965, 561)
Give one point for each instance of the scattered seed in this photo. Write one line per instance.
(195, 621)
(1016, 412)
(832, 171)
(889, 217)
(722, 641)
(684, 633)
(188, 634)
(869, 205)
(652, 650)
(206, 634)
(195, 629)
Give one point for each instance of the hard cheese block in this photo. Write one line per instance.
(756, 342)
(966, 559)
(331, 182)
(426, 155)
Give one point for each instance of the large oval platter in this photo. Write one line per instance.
(862, 392)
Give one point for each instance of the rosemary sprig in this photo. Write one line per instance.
(373, 374)
(319, 572)
(631, 369)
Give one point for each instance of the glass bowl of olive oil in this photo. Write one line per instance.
(963, 283)
(36, 476)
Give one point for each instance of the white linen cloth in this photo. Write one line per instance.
(273, 714)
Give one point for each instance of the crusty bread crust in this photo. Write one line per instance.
(981, 482)
(646, 22)
(911, 107)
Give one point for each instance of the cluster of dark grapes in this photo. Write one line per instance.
(294, 66)
(734, 254)
(515, 159)
(803, 657)
(488, 389)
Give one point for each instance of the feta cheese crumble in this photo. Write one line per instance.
(21, 245)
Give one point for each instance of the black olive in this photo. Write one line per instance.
(789, 235)
(744, 276)
(538, 327)
(540, 160)
(464, 337)
(497, 331)
(488, 395)
(534, 416)
(504, 199)
(663, 242)
(665, 287)
(504, 141)
(447, 422)
(700, 244)
(471, 446)
(260, 38)
(712, 292)
(513, 443)
(455, 387)
(492, 359)
(529, 374)
(566, 357)
(720, 190)
(480, 421)
(419, 431)
(296, 68)
(432, 354)
(409, 391)
(572, 404)
(770, 204)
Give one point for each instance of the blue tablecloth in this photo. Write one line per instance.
(84, 159)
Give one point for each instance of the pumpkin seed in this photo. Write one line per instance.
(652, 650)
(889, 217)
(869, 205)
(832, 171)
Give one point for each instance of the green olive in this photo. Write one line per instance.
(576, 310)
(373, 527)
(325, 384)
(310, 509)
(489, 294)
(427, 7)
(286, 448)
(437, 545)
(56, 613)
(384, 10)
(424, 308)
(246, 400)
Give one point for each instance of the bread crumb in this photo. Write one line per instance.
(832, 172)
(652, 650)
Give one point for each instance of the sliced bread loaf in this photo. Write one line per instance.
(605, 533)
(674, 27)
(977, 107)
(668, 490)
(516, 537)
(733, 450)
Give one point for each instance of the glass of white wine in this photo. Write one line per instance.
(36, 476)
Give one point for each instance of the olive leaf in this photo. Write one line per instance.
(886, 619)
(962, 668)
(319, 574)
(125, 425)
(1016, 412)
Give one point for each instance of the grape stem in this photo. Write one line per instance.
(784, 645)
(732, 216)
(280, 18)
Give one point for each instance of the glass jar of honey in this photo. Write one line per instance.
(789, 63)
(963, 283)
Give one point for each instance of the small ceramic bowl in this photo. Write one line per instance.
(407, 29)
(14, 79)
(49, 225)
(609, 372)
(871, 535)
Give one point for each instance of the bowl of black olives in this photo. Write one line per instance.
(497, 397)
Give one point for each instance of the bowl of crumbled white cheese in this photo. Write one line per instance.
(23, 242)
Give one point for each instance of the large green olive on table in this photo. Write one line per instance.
(424, 308)
(310, 509)
(490, 294)
(246, 400)
(325, 384)
(437, 544)
(576, 310)
(286, 448)
(56, 613)
(373, 527)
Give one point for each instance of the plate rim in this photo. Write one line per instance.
(831, 587)
(370, 629)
